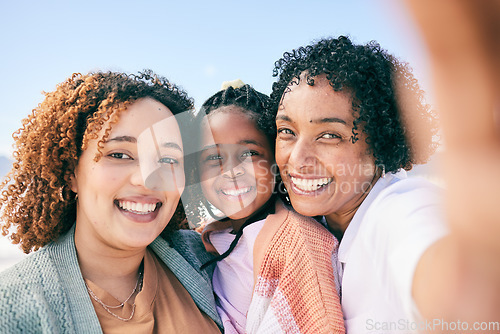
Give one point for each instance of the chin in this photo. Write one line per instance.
(239, 214)
(140, 240)
(307, 209)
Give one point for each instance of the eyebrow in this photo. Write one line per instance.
(208, 147)
(122, 138)
(329, 120)
(317, 121)
(251, 142)
(172, 145)
(241, 142)
(131, 139)
(283, 118)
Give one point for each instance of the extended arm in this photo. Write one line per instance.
(459, 277)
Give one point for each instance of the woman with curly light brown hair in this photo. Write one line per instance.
(98, 175)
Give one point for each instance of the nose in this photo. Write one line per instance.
(136, 176)
(233, 168)
(302, 156)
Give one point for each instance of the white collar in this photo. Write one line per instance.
(353, 228)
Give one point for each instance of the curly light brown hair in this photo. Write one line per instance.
(36, 201)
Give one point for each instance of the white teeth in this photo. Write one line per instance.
(236, 192)
(138, 208)
(310, 184)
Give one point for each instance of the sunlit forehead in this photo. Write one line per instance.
(164, 136)
(317, 105)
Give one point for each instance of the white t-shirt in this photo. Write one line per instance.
(233, 276)
(398, 220)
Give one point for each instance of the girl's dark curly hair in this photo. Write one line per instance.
(250, 100)
(36, 198)
(386, 98)
(253, 104)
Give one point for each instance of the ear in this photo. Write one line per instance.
(74, 183)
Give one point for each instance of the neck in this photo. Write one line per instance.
(339, 221)
(259, 214)
(113, 270)
(238, 223)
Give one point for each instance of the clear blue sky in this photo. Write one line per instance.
(196, 44)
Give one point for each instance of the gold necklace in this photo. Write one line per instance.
(138, 287)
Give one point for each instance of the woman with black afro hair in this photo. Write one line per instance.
(342, 114)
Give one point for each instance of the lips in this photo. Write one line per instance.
(139, 210)
(236, 192)
(310, 184)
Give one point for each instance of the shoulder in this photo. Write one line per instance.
(183, 253)
(189, 245)
(403, 205)
(293, 225)
(295, 243)
(286, 230)
(408, 194)
(29, 270)
(30, 294)
(401, 223)
(397, 202)
(396, 227)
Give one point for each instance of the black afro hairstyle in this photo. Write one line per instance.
(251, 101)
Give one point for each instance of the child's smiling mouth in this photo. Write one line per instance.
(233, 193)
(236, 191)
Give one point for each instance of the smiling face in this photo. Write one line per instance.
(323, 171)
(115, 208)
(235, 163)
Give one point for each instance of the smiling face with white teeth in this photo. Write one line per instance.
(323, 171)
(235, 163)
(115, 208)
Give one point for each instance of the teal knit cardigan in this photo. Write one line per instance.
(45, 293)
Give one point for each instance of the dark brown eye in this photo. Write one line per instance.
(119, 155)
(330, 136)
(285, 131)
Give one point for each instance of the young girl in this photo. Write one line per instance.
(277, 276)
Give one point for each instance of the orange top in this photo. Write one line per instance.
(162, 306)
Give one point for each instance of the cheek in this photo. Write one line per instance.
(354, 167)
(207, 188)
(209, 171)
(180, 179)
(263, 171)
(264, 180)
(173, 198)
(366, 163)
(281, 155)
(95, 179)
(265, 184)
